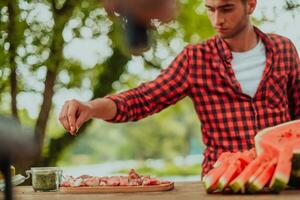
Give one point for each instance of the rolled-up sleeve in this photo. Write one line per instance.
(151, 97)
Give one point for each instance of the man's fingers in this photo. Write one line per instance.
(63, 118)
(81, 119)
(73, 108)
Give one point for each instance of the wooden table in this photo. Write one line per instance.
(182, 191)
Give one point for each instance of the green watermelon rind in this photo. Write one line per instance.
(279, 183)
(207, 183)
(296, 173)
(237, 186)
(295, 178)
(296, 160)
(254, 187)
(294, 182)
(221, 184)
(209, 187)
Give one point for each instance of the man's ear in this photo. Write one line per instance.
(251, 4)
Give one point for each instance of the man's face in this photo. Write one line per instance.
(228, 17)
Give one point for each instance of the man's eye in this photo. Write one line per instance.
(227, 9)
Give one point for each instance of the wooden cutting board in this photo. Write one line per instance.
(118, 189)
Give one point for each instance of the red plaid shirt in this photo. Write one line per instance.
(229, 118)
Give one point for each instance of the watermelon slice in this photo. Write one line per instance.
(259, 170)
(275, 161)
(231, 172)
(273, 139)
(283, 169)
(211, 179)
(239, 161)
(262, 179)
(238, 184)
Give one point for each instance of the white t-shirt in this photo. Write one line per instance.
(248, 67)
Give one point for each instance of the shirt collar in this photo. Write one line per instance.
(225, 52)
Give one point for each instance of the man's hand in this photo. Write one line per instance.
(74, 113)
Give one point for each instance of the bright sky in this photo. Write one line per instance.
(90, 51)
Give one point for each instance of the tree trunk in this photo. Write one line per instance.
(13, 42)
(45, 108)
(61, 17)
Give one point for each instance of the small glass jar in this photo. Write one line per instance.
(45, 179)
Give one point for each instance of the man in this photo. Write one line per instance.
(241, 81)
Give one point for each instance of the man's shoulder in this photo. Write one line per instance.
(280, 41)
(203, 47)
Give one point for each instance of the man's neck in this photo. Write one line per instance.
(244, 41)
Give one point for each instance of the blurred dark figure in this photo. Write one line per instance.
(137, 16)
(16, 147)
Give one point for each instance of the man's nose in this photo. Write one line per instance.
(219, 19)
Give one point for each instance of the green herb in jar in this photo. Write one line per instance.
(45, 181)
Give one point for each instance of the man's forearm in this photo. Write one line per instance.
(103, 108)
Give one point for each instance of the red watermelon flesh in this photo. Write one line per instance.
(223, 157)
(277, 136)
(246, 157)
(249, 155)
(269, 148)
